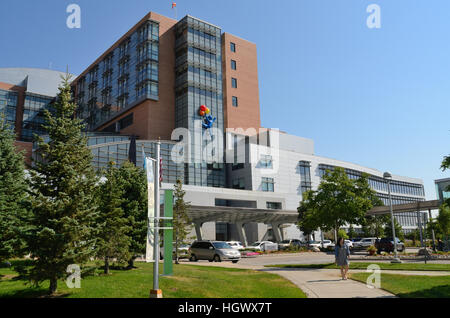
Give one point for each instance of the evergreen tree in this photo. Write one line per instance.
(112, 239)
(181, 222)
(62, 187)
(133, 181)
(13, 195)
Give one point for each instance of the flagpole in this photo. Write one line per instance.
(156, 292)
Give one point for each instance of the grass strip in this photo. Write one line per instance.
(411, 286)
(188, 281)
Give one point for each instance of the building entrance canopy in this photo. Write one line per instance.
(203, 214)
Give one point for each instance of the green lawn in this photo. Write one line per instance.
(188, 281)
(411, 286)
(363, 265)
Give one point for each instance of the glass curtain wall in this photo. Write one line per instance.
(126, 76)
(199, 82)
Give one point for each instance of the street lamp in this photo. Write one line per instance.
(388, 177)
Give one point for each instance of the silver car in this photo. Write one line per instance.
(364, 243)
(213, 251)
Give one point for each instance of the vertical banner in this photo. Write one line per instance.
(168, 234)
(148, 166)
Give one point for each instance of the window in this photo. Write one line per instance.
(305, 176)
(33, 116)
(232, 47)
(237, 166)
(233, 64)
(273, 205)
(235, 101)
(126, 121)
(8, 103)
(267, 184)
(233, 82)
(266, 162)
(239, 183)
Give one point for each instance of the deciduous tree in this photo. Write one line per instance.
(338, 200)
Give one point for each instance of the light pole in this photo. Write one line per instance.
(387, 176)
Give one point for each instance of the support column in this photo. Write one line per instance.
(419, 224)
(276, 232)
(241, 233)
(432, 230)
(198, 231)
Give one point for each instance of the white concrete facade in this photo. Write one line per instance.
(286, 153)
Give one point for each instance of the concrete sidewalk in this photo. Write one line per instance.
(324, 283)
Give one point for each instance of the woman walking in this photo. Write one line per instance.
(341, 253)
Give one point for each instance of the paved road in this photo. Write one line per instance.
(314, 258)
(298, 258)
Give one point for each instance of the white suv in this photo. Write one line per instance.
(236, 245)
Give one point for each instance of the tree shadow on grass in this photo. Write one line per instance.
(435, 292)
(32, 292)
(24, 289)
(303, 266)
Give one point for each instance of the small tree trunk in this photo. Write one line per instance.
(176, 247)
(53, 285)
(131, 262)
(106, 265)
(336, 234)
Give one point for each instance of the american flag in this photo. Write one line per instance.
(174, 5)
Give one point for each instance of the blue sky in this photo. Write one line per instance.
(376, 97)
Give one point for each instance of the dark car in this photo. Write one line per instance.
(387, 244)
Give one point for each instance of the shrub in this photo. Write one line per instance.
(371, 250)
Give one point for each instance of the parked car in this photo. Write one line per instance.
(236, 245)
(364, 243)
(349, 243)
(314, 244)
(327, 244)
(216, 251)
(387, 245)
(183, 251)
(356, 241)
(264, 246)
(287, 243)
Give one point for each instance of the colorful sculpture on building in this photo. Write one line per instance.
(208, 120)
